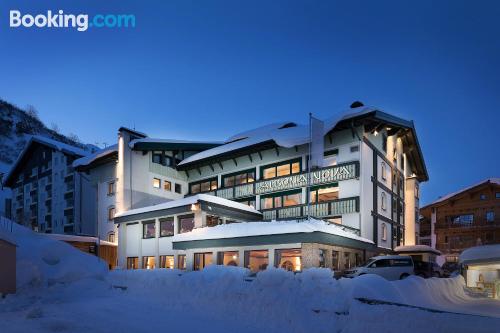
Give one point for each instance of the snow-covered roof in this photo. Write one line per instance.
(189, 201)
(77, 238)
(171, 144)
(87, 160)
(480, 254)
(246, 229)
(453, 194)
(416, 248)
(54, 144)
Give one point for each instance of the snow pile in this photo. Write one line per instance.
(42, 261)
(246, 229)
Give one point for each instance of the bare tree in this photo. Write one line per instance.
(32, 111)
(55, 128)
(73, 137)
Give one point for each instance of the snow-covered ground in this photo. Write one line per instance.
(64, 290)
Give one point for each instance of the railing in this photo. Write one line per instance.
(475, 224)
(320, 210)
(238, 191)
(6, 224)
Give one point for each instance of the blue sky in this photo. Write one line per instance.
(207, 69)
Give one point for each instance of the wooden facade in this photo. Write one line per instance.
(463, 220)
(106, 252)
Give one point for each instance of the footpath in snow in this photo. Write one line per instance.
(64, 290)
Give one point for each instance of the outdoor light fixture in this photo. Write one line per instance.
(194, 207)
(375, 132)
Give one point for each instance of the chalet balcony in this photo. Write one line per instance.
(461, 226)
(320, 210)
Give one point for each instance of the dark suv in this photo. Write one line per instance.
(427, 269)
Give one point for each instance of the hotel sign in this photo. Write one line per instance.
(321, 176)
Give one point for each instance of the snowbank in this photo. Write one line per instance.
(42, 261)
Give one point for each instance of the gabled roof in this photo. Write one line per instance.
(54, 144)
(289, 134)
(170, 144)
(455, 195)
(98, 158)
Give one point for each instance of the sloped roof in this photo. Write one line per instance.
(97, 157)
(54, 144)
(459, 192)
(171, 144)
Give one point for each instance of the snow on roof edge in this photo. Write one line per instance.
(87, 160)
(480, 253)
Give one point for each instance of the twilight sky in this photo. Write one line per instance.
(205, 70)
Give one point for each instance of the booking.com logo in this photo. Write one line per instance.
(61, 20)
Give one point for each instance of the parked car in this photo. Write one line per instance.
(389, 267)
(427, 269)
(449, 268)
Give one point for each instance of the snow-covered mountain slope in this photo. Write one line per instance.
(16, 127)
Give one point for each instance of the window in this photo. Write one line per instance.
(384, 142)
(238, 178)
(347, 260)
(383, 171)
(324, 193)
(186, 223)
(166, 226)
(482, 197)
(148, 262)
(203, 186)
(111, 213)
(201, 260)
(354, 148)
(181, 261)
(256, 260)
(228, 258)
(281, 169)
(467, 219)
(322, 258)
(167, 186)
(383, 201)
(278, 200)
(384, 231)
(249, 202)
(111, 237)
(178, 188)
(213, 220)
(497, 195)
(167, 262)
(417, 191)
(159, 157)
(288, 259)
(490, 216)
(148, 229)
(156, 182)
(132, 262)
(335, 260)
(111, 188)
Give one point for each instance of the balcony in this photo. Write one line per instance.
(480, 224)
(239, 191)
(319, 210)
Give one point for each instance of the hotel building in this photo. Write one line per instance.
(244, 202)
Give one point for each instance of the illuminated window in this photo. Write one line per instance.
(181, 261)
(132, 262)
(201, 260)
(148, 229)
(278, 200)
(111, 213)
(324, 193)
(239, 178)
(384, 231)
(167, 186)
(203, 186)
(281, 169)
(148, 262)
(228, 258)
(256, 260)
(111, 188)
(288, 259)
(166, 226)
(156, 183)
(167, 262)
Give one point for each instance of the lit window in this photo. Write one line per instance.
(228, 258)
(156, 183)
(111, 188)
(149, 229)
(384, 231)
(201, 260)
(166, 226)
(167, 186)
(281, 169)
(148, 262)
(167, 262)
(256, 260)
(181, 261)
(111, 213)
(132, 262)
(324, 194)
(289, 259)
(281, 200)
(240, 178)
(490, 216)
